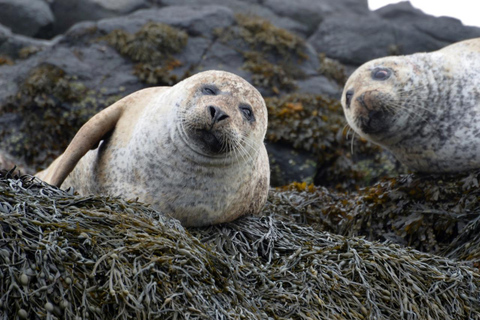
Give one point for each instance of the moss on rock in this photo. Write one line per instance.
(51, 106)
(152, 48)
(271, 54)
(5, 60)
(332, 69)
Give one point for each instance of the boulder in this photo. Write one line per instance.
(445, 29)
(355, 39)
(69, 12)
(27, 17)
(11, 44)
(392, 30)
(310, 12)
(250, 8)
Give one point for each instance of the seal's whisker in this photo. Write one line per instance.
(409, 111)
(352, 140)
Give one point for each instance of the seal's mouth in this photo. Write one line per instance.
(377, 121)
(209, 141)
(373, 117)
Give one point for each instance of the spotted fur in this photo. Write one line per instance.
(427, 112)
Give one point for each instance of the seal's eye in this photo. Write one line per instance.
(381, 74)
(348, 98)
(247, 112)
(210, 90)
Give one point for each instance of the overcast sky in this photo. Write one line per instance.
(466, 10)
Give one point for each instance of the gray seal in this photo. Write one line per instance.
(194, 151)
(424, 107)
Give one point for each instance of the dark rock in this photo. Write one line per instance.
(196, 20)
(11, 44)
(310, 12)
(27, 17)
(69, 12)
(247, 7)
(320, 85)
(288, 165)
(444, 29)
(393, 30)
(356, 39)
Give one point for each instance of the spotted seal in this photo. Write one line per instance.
(194, 151)
(424, 107)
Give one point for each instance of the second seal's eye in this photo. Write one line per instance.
(381, 74)
(210, 90)
(247, 112)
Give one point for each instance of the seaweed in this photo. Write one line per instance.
(332, 69)
(67, 256)
(4, 60)
(431, 213)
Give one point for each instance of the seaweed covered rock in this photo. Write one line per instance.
(275, 58)
(313, 126)
(432, 213)
(152, 48)
(67, 256)
(50, 107)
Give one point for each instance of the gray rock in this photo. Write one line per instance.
(356, 39)
(444, 29)
(196, 20)
(289, 165)
(320, 85)
(247, 7)
(311, 12)
(27, 17)
(226, 58)
(11, 44)
(69, 12)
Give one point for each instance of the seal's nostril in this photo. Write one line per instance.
(213, 111)
(217, 114)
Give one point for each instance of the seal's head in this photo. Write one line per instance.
(424, 107)
(221, 114)
(374, 97)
